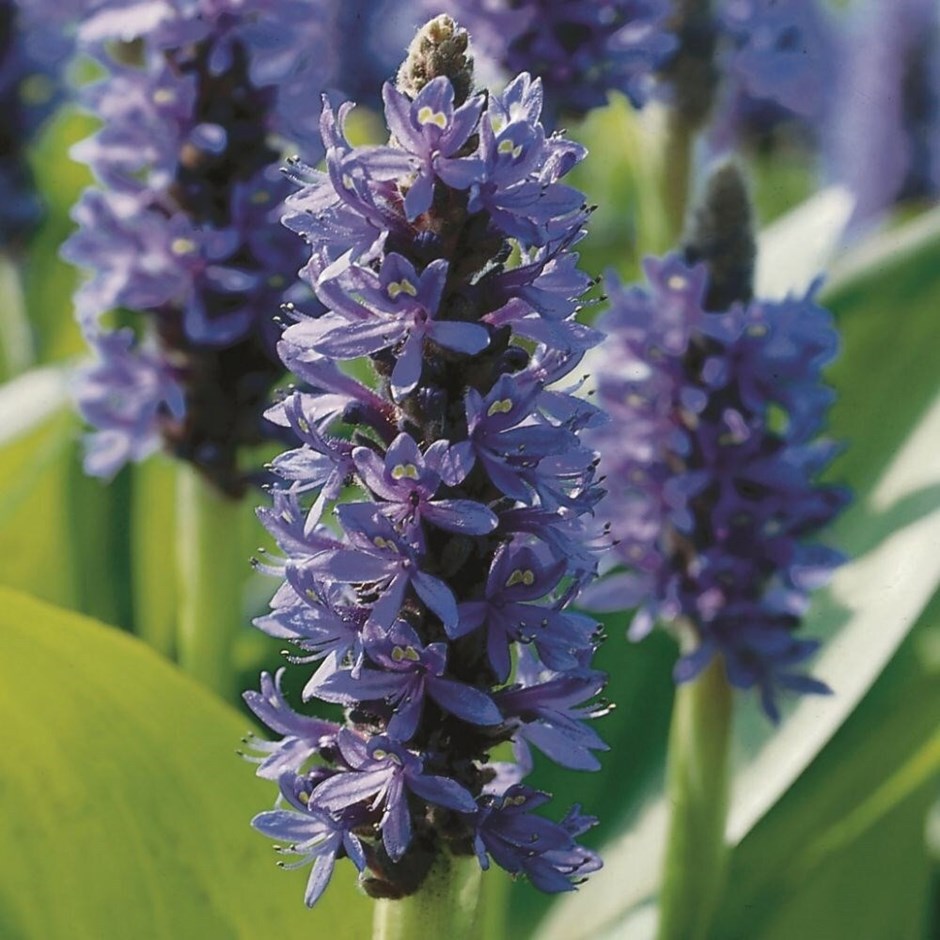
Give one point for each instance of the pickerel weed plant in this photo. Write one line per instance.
(713, 453)
(180, 229)
(713, 456)
(189, 266)
(434, 605)
(30, 90)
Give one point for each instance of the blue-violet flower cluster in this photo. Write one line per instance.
(181, 226)
(582, 49)
(712, 456)
(436, 608)
(780, 68)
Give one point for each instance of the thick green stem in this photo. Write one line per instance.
(676, 173)
(16, 336)
(153, 569)
(446, 905)
(211, 567)
(697, 788)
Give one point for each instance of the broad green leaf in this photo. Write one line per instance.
(793, 251)
(843, 853)
(888, 409)
(36, 432)
(63, 535)
(124, 811)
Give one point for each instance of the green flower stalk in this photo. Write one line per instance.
(697, 791)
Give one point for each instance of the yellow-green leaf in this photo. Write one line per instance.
(124, 811)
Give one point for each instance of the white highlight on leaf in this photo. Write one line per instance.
(793, 251)
(885, 593)
(27, 401)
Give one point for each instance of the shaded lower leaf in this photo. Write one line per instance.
(843, 853)
(123, 809)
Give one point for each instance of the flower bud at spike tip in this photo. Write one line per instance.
(439, 48)
(721, 234)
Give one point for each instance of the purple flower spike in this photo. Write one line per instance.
(31, 85)
(444, 261)
(713, 497)
(180, 227)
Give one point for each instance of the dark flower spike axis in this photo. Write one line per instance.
(438, 611)
(712, 457)
(755, 63)
(31, 61)
(181, 227)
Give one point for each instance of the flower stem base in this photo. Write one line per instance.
(211, 567)
(446, 905)
(697, 788)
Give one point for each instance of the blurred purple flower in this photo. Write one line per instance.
(712, 457)
(885, 138)
(182, 224)
(32, 59)
(582, 49)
